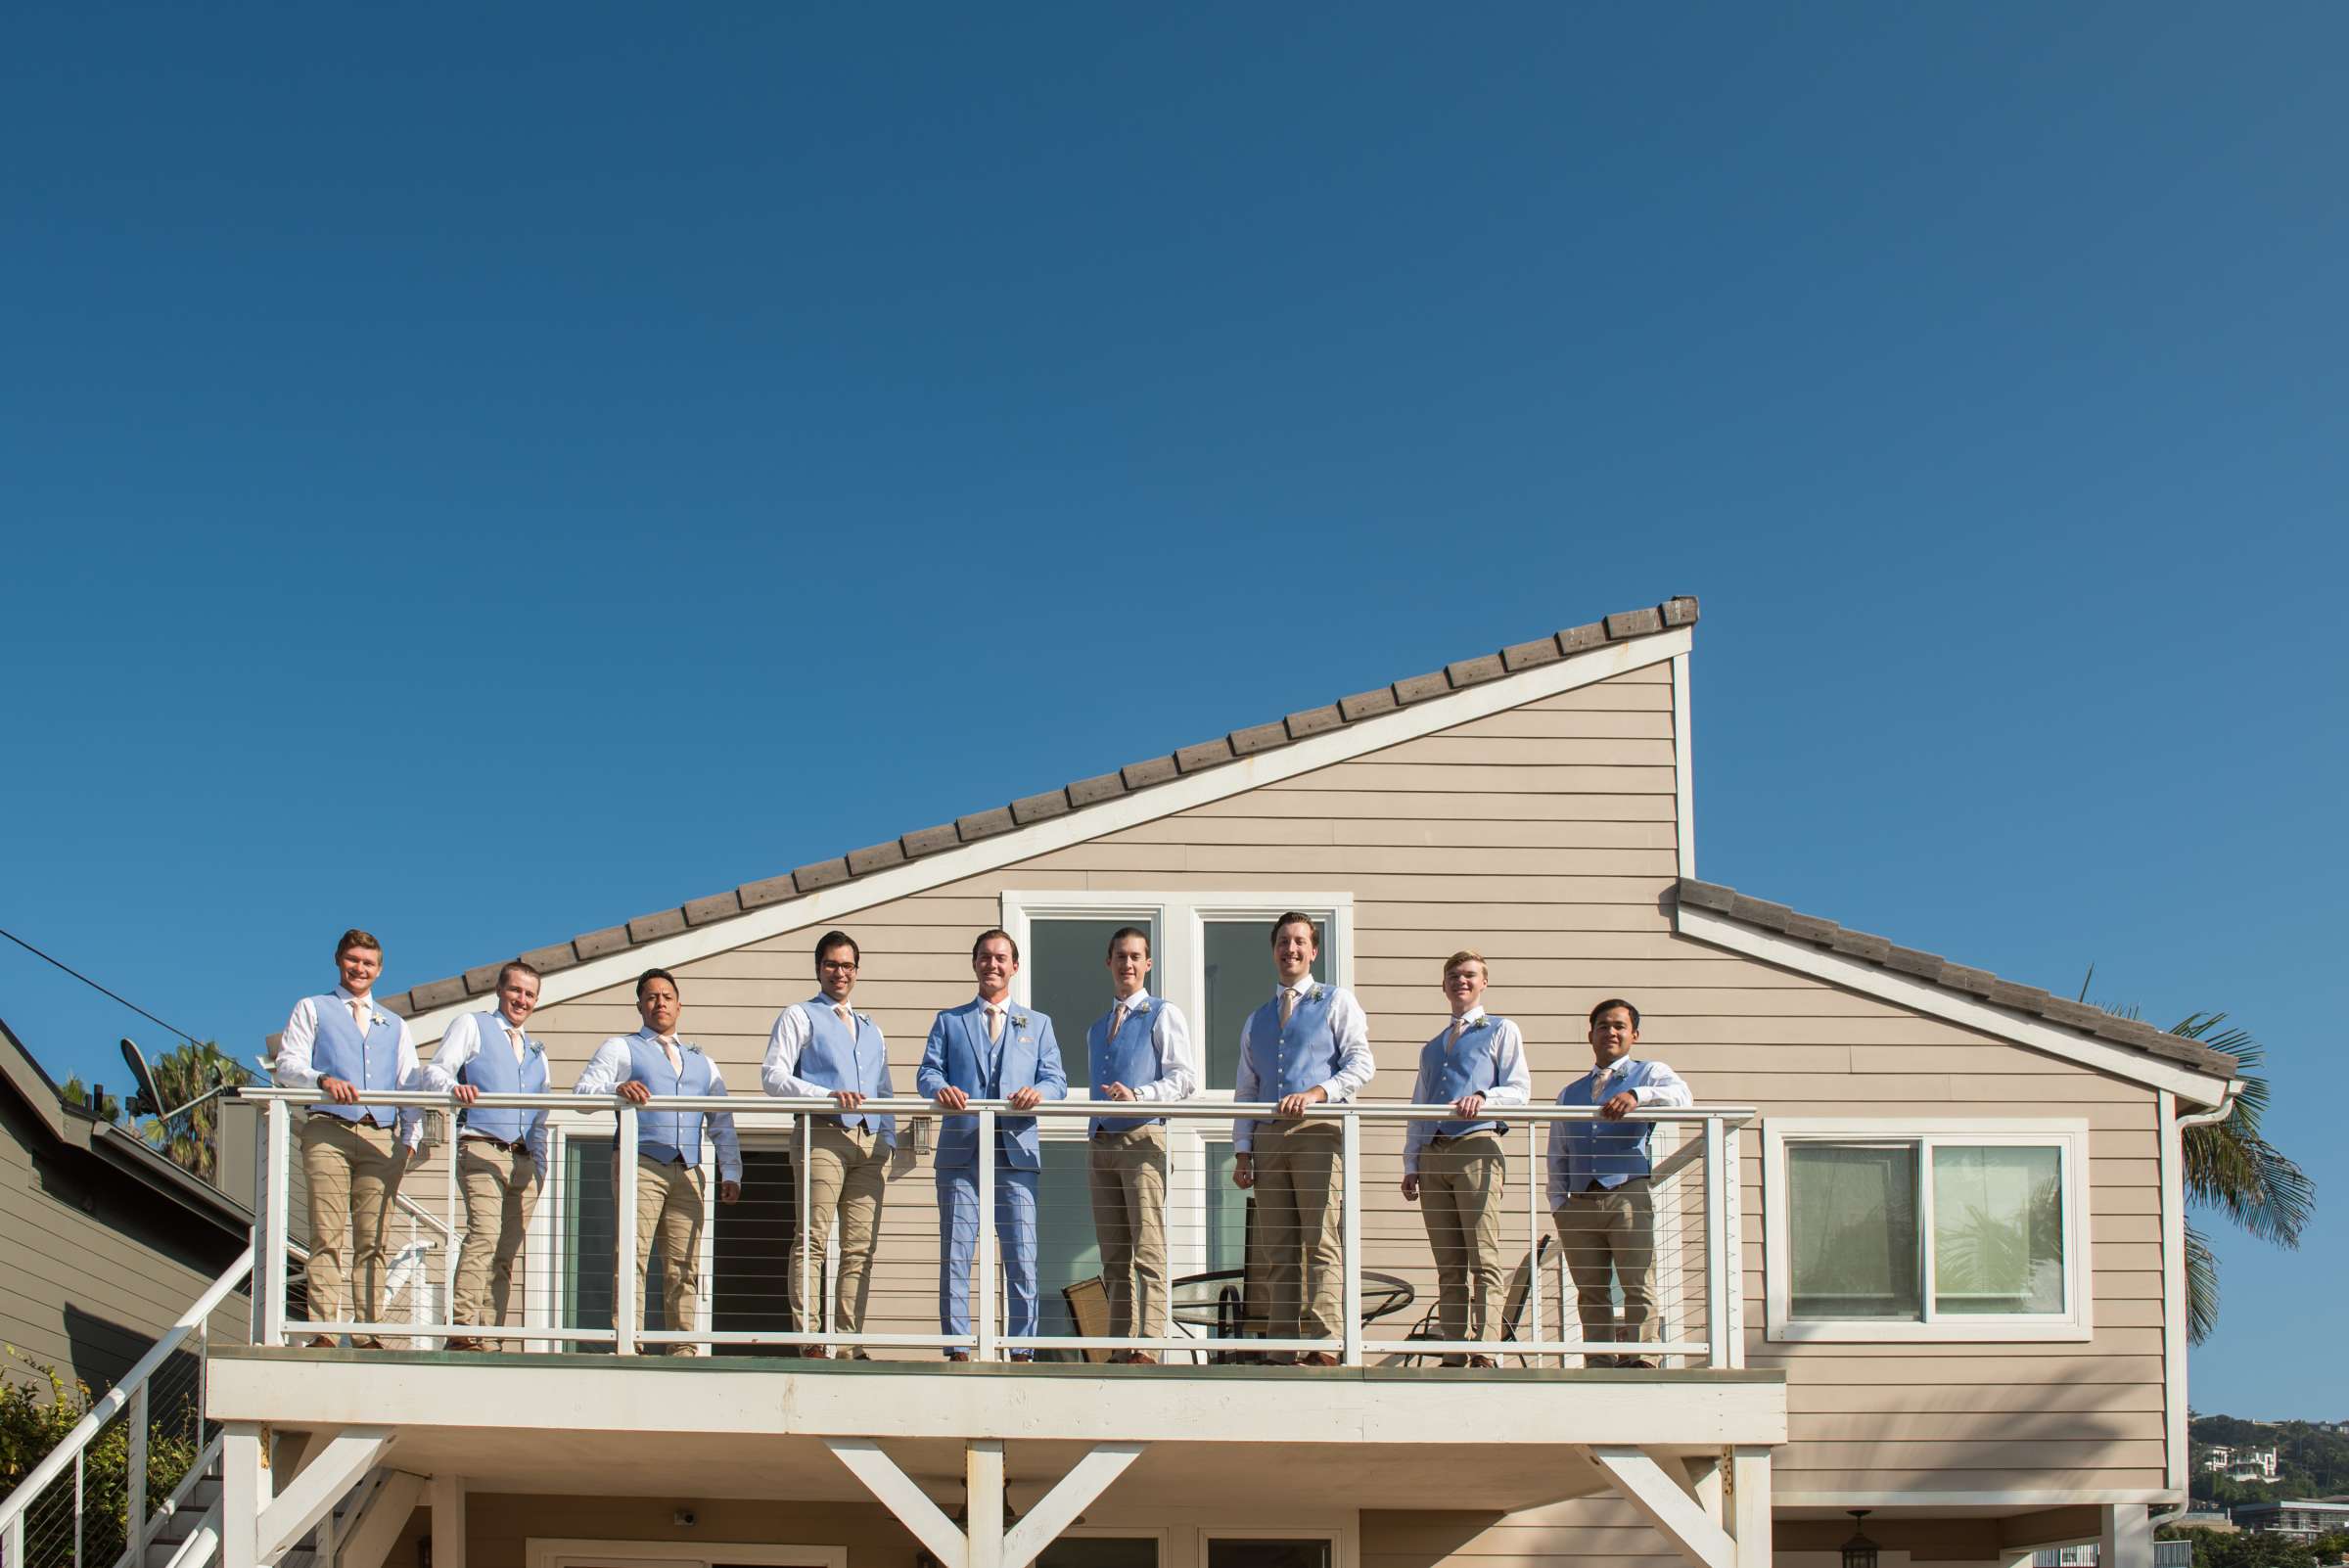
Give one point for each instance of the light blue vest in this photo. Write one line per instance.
(848, 1056)
(668, 1134)
(1609, 1153)
(1473, 1066)
(371, 1062)
(1131, 1059)
(1303, 1056)
(492, 1070)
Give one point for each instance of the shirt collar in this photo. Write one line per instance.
(1132, 1004)
(1302, 988)
(646, 1033)
(1472, 1015)
(1003, 1006)
(344, 996)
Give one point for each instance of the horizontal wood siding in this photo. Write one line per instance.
(1544, 837)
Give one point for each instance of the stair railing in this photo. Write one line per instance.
(130, 1394)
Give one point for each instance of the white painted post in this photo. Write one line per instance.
(983, 1307)
(136, 1465)
(1350, 1232)
(1734, 1260)
(626, 1264)
(1749, 1505)
(274, 1172)
(80, 1527)
(1717, 1250)
(2127, 1538)
(982, 1496)
(806, 1237)
(243, 1492)
(1536, 1188)
(448, 1521)
(452, 1235)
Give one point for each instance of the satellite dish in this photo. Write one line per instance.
(145, 1101)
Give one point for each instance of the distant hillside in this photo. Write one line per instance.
(2310, 1463)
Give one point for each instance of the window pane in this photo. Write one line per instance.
(1067, 1248)
(1100, 1551)
(750, 1252)
(1068, 981)
(1228, 1552)
(1227, 1210)
(590, 1244)
(1851, 1219)
(1239, 981)
(1998, 1230)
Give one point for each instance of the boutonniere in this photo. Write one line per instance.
(1316, 995)
(379, 1018)
(1019, 1021)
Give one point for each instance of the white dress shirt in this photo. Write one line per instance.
(1512, 1085)
(292, 1070)
(1355, 1066)
(779, 1073)
(611, 1065)
(460, 1046)
(1171, 1033)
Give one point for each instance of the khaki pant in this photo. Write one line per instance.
(847, 1175)
(1130, 1218)
(1462, 1182)
(1612, 1229)
(353, 1173)
(501, 1188)
(1297, 1177)
(669, 1209)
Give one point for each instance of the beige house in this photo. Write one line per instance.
(1920, 1236)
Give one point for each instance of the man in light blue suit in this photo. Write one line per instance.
(989, 1049)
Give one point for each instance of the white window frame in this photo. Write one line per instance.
(542, 1551)
(1345, 1549)
(2068, 1135)
(1178, 975)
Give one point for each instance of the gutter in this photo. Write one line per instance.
(2216, 1114)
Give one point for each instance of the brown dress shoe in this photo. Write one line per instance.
(1483, 1361)
(959, 1356)
(460, 1343)
(1140, 1358)
(815, 1352)
(1318, 1358)
(320, 1342)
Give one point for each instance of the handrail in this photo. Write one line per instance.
(118, 1397)
(904, 1105)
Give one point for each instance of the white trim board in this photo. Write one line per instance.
(543, 1551)
(1683, 769)
(831, 905)
(2173, 1428)
(1870, 980)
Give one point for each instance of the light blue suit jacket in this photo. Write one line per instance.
(957, 1052)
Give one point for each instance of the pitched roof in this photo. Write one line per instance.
(1071, 797)
(1978, 984)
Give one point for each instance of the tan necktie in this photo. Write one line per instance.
(359, 1013)
(514, 1038)
(839, 1010)
(1288, 1005)
(994, 1026)
(1117, 1020)
(1458, 1026)
(676, 1063)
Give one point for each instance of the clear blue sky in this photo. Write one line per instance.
(453, 461)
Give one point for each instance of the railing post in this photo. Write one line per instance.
(1349, 1230)
(1733, 1259)
(1717, 1250)
(80, 1523)
(805, 1227)
(1536, 1188)
(451, 1233)
(983, 1318)
(275, 1175)
(623, 1233)
(135, 1465)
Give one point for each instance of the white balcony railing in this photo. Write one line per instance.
(565, 1276)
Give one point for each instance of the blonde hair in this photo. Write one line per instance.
(1468, 956)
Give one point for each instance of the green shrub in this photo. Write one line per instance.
(32, 1425)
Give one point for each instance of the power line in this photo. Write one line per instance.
(94, 985)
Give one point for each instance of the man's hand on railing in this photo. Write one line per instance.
(634, 1093)
(465, 1093)
(1119, 1092)
(951, 1098)
(847, 1099)
(1621, 1106)
(340, 1091)
(1293, 1106)
(1243, 1169)
(1468, 1105)
(1027, 1099)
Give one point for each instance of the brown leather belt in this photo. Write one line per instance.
(519, 1146)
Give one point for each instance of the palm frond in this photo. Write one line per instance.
(2201, 1287)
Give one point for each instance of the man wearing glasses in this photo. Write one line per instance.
(822, 1049)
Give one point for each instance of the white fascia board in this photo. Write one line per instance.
(1918, 995)
(1683, 769)
(2172, 1294)
(827, 905)
(631, 1403)
(1843, 1501)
